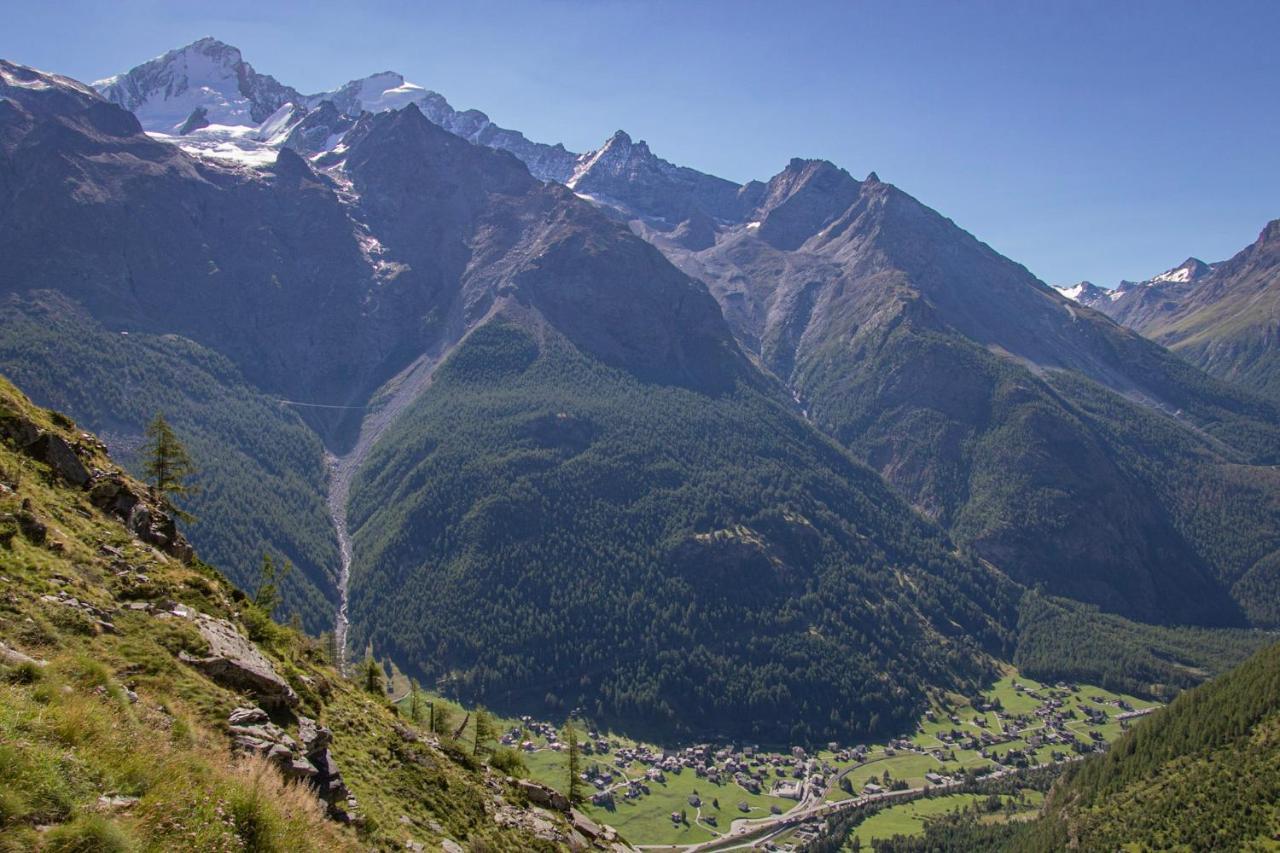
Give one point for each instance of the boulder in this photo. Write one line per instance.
(55, 452)
(300, 768)
(541, 795)
(235, 662)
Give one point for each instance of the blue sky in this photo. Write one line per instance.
(1090, 140)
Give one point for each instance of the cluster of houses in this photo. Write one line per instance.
(797, 775)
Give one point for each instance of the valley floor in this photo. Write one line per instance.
(720, 796)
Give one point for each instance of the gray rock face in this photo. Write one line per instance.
(114, 494)
(541, 795)
(247, 717)
(235, 662)
(58, 455)
(252, 732)
(627, 172)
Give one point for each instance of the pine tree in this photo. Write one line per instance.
(483, 732)
(168, 465)
(415, 701)
(575, 761)
(372, 672)
(442, 719)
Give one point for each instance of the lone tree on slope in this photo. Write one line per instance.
(575, 763)
(168, 465)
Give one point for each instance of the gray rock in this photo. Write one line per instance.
(314, 737)
(54, 451)
(112, 803)
(543, 796)
(235, 662)
(300, 768)
(13, 657)
(257, 746)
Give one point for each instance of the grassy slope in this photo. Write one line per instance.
(69, 733)
(262, 471)
(910, 818)
(541, 527)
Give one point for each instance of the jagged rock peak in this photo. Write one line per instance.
(1189, 270)
(1084, 292)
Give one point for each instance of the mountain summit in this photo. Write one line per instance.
(208, 78)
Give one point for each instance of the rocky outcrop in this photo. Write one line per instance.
(235, 662)
(110, 491)
(115, 494)
(306, 758)
(47, 447)
(253, 732)
(328, 781)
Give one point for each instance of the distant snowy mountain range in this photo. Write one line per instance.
(1108, 300)
(208, 100)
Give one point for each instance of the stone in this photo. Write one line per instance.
(280, 754)
(247, 717)
(543, 796)
(313, 736)
(112, 803)
(253, 744)
(300, 768)
(235, 662)
(13, 657)
(54, 451)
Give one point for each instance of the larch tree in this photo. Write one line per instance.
(168, 465)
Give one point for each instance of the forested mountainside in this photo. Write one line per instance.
(261, 478)
(1200, 774)
(145, 703)
(1067, 450)
(546, 528)
(1203, 774)
(318, 282)
(1224, 318)
(938, 362)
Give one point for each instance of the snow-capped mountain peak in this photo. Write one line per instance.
(207, 75)
(1085, 293)
(386, 90)
(205, 98)
(1189, 270)
(618, 156)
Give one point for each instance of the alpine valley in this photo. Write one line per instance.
(794, 463)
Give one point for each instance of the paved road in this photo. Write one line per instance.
(749, 833)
